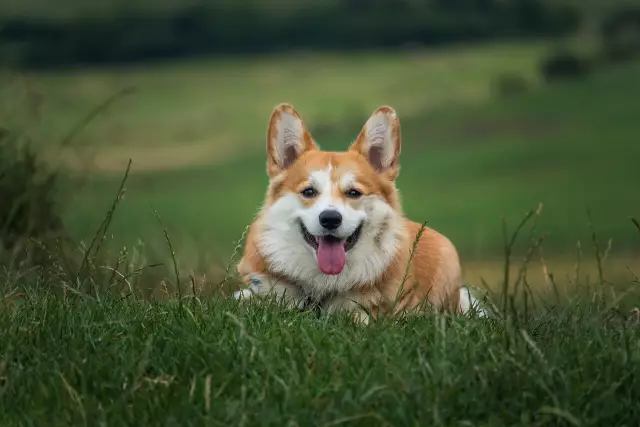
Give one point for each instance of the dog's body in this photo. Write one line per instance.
(331, 230)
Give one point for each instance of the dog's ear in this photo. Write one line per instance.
(287, 139)
(379, 141)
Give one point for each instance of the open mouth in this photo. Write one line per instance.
(314, 241)
(331, 250)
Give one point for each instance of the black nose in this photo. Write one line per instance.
(330, 219)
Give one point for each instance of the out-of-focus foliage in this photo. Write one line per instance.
(564, 64)
(28, 208)
(621, 34)
(116, 31)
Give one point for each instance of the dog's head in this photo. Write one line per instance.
(330, 214)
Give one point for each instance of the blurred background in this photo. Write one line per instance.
(504, 105)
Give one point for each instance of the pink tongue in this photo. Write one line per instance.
(331, 256)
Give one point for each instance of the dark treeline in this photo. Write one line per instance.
(243, 26)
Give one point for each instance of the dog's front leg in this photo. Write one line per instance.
(263, 285)
(351, 302)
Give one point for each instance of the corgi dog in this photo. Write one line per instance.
(331, 231)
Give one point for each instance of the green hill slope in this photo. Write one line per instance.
(571, 147)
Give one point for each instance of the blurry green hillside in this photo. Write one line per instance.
(570, 146)
(38, 33)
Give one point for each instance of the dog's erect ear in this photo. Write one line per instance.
(379, 141)
(287, 139)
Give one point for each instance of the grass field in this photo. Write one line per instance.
(99, 360)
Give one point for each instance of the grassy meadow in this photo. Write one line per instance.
(120, 362)
(103, 343)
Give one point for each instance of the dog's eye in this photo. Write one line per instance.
(308, 192)
(353, 193)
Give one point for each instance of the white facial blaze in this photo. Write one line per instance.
(282, 243)
(347, 181)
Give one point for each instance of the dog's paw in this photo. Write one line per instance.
(265, 287)
(247, 293)
(470, 302)
(361, 317)
(347, 304)
(243, 294)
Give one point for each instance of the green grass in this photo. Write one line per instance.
(83, 360)
(569, 146)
